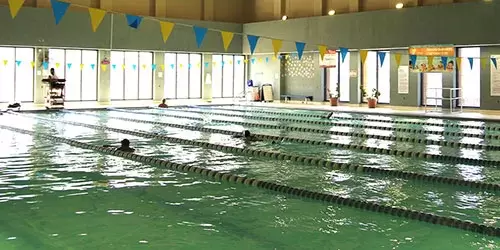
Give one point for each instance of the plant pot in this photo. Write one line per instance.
(372, 103)
(334, 101)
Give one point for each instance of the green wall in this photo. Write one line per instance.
(36, 27)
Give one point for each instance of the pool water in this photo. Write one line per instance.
(62, 197)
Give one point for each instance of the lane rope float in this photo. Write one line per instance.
(405, 153)
(297, 158)
(279, 188)
(318, 122)
(372, 119)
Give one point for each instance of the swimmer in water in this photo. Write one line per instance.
(125, 146)
(328, 116)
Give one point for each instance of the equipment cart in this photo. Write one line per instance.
(54, 97)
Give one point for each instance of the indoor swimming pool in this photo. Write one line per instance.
(55, 195)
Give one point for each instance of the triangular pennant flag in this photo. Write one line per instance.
(300, 49)
(494, 61)
(5, 62)
(15, 6)
(69, 65)
(58, 65)
(459, 62)
(227, 38)
(124, 66)
(230, 62)
(45, 65)
(18, 63)
(397, 57)
(444, 60)
(245, 61)
(252, 41)
(277, 46)
(413, 60)
(104, 67)
(207, 64)
(81, 66)
(363, 54)
(181, 65)
(259, 59)
(471, 62)
(322, 51)
(484, 62)
(162, 67)
(172, 66)
(134, 66)
(189, 65)
(430, 60)
(59, 9)
(96, 17)
(253, 60)
(198, 65)
(133, 21)
(166, 29)
(381, 57)
(239, 62)
(267, 59)
(144, 66)
(214, 63)
(113, 66)
(32, 64)
(92, 66)
(199, 33)
(153, 66)
(343, 53)
(223, 63)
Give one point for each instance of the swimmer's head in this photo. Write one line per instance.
(125, 143)
(246, 133)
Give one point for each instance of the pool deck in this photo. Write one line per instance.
(467, 114)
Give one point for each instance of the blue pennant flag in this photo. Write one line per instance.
(413, 61)
(45, 65)
(300, 48)
(206, 65)
(114, 66)
(153, 66)
(199, 33)
(253, 60)
(494, 61)
(69, 65)
(92, 66)
(343, 53)
(444, 60)
(239, 62)
(133, 21)
(223, 63)
(59, 9)
(267, 59)
(189, 65)
(134, 66)
(18, 63)
(471, 62)
(252, 41)
(172, 66)
(381, 57)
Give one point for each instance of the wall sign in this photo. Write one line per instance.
(432, 58)
(353, 73)
(329, 59)
(403, 81)
(495, 78)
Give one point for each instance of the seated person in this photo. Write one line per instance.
(53, 74)
(14, 106)
(328, 116)
(125, 146)
(163, 104)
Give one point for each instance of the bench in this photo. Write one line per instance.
(306, 98)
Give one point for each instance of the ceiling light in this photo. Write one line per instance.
(331, 12)
(399, 5)
(284, 17)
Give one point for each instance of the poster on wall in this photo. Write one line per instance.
(495, 78)
(329, 59)
(403, 81)
(432, 59)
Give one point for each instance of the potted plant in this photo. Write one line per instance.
(372, 100)
(334, 97)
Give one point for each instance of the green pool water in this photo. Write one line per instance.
(62, 197)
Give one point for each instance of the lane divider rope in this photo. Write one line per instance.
(299, 159)
(318, 122)
(396, 152)
(372, 119)
(270, 186)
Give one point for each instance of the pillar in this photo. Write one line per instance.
(39, 75)
(104, 78)
(207, 77)
(355, 77)
(158, 79)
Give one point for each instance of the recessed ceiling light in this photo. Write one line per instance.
(331, 12)
(399, 5)
(284, 17)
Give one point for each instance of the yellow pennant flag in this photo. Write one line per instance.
(214, 63)
(259, 59)
(81, 66)
(322, 51)
(58, 65)
(5, 62)
(198, 65)
(245, 61)
(430, 60)
(123, 66)
(227, 38)
(484, 62)
(144, 66)
(15, 6)
(397, 57)
(96, 17)
(230, 62)
(32, 64)
(162, 67)
(459, 62)
(363, 54)
(166, 29)
(277, 46)
(104, 67)
(180, 66)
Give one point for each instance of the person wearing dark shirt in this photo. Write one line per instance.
(163, 104)
(125, 146)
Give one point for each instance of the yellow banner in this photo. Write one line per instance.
(397, 57)
(166, 29)
(15, 6)
(322, 51)
(277, 46)
(227, 38)
(96, 17)
(363, 54)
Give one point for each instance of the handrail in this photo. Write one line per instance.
(330, 198)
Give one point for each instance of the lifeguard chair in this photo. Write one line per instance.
(54, 97)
